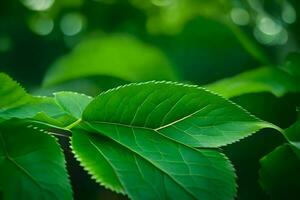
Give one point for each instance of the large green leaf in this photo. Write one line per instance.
(32, 165)
(146, 165)
(279, 174)
(265, 79)
(188, 114)
(117, 56)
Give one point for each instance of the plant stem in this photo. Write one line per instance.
(69, 127)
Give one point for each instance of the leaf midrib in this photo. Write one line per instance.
(148, 128)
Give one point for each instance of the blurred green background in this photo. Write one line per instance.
(79, 45)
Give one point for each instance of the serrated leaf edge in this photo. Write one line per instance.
(92, 175)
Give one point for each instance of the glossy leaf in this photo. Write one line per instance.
(72, 103)
(32, 165)
(117, 56)
(265, 79)
(279, 174)
(11, 93)
(35, 106)
(59, 111)
(149, 166)
(187, 114)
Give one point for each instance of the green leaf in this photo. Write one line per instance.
(11, 93)
(32, 165)
(279, 174)
(149, 166)
(72, 103)
(187, 114)
(117, 56)
(265, 79)
(33, 107)
(92, 159)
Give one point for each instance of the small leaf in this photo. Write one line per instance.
(11, 93)
(150, 166)
(187, 114)
(32, 165)
(279, 174)
(117, 56)
(72, 103)
(265, 79)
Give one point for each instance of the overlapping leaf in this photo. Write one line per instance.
(147, 165)
(59, 111)
(32, 165)
(72, 103)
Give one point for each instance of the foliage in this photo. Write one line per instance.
(115, 110)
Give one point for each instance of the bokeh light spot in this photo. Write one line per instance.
(71, 24)
(41, 25)
(38, 5)
(240, 16)
(269, 26)
(288, 13)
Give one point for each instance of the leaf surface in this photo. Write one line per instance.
(11, 93)
(32, 165)
(73, 103)
(150, 166)
(187, 114)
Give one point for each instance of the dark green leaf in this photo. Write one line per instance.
(279, 174)
(32, 165)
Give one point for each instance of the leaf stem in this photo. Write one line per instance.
(69, 127)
